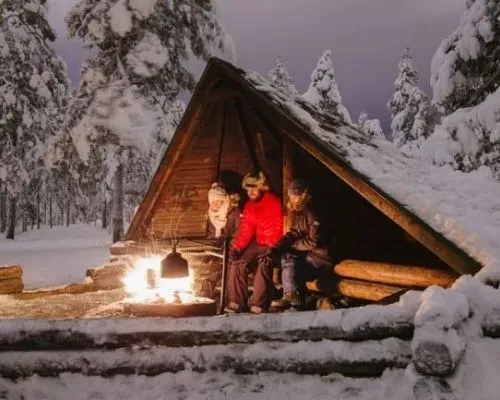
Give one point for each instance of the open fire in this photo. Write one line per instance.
(144, 283)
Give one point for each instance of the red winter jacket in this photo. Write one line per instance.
(262, 220)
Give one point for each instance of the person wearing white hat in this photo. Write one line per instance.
(223, 213)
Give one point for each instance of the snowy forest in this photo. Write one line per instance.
(86, 153)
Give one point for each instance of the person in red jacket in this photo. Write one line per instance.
(260, 229)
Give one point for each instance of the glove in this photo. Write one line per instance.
(277, 278)
(234, 254)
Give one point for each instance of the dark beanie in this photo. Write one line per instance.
(298, 187)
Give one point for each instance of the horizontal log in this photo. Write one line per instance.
(11, 286)
(365, 290)
(170, 310)
(357, 289)
(74, 288)
(324, 357)
(435, 359)
(110, 271)
(107, 284)
(394, 274)
(491, 324)
(10, 271)
(343, 324)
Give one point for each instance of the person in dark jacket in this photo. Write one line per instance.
(303, 253)
(260, 230)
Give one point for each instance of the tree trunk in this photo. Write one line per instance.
(118, 204)
(68, 203)
(38, 217)
(3, 210)
(24, 222)
(105, 214)
(11, 231)
(51, 223)
(45, 211)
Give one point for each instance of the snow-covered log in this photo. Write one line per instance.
(10, 272)
(394, 274)
(323, 357)
(367, 323)
(437, 358)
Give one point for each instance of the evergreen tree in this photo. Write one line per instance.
(466, 67)
(33, 90)
(323, 90)
(280, 78)
(139, 68)
(411, 117)
(371, 127)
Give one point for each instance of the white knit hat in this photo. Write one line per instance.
(216, 192)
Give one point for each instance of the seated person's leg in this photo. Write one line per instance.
(289, 270)
(237, 277)
(262, 285)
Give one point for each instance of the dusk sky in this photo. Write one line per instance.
(366, 38)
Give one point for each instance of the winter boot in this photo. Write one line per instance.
(289, 299)
(233, 308)
(257, 310)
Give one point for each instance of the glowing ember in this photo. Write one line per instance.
(144, 283)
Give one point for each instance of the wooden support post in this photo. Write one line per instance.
(247, 135)
(287, 174)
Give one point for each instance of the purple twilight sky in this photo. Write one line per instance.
(366, 38)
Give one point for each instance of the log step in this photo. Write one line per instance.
(323, 357)
(395, 274)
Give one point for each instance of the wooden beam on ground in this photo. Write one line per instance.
(394, 274)
(323, 357)
(347, 324)
(356, 289)
(74, 288)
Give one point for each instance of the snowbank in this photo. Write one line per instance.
(56, 256)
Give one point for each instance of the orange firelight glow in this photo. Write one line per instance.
(170, 290)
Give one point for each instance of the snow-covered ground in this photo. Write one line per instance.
(56, 256)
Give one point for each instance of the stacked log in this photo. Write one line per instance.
(109, 276)
(377, 281)
(353, 288)
(395, 274)
(11, 281)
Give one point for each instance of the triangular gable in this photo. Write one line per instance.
(337, 145)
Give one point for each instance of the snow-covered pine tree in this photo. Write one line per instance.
(33, 89)
(141, 47)
(465, 80)
(409, 107)
(371, 127)
(280, 78)
(466, 67)
(323, 90)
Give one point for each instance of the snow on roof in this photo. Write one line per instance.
(463, 207)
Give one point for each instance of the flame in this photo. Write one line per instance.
(168, 290)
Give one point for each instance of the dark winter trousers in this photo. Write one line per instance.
(237, 285)
(297, 269)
